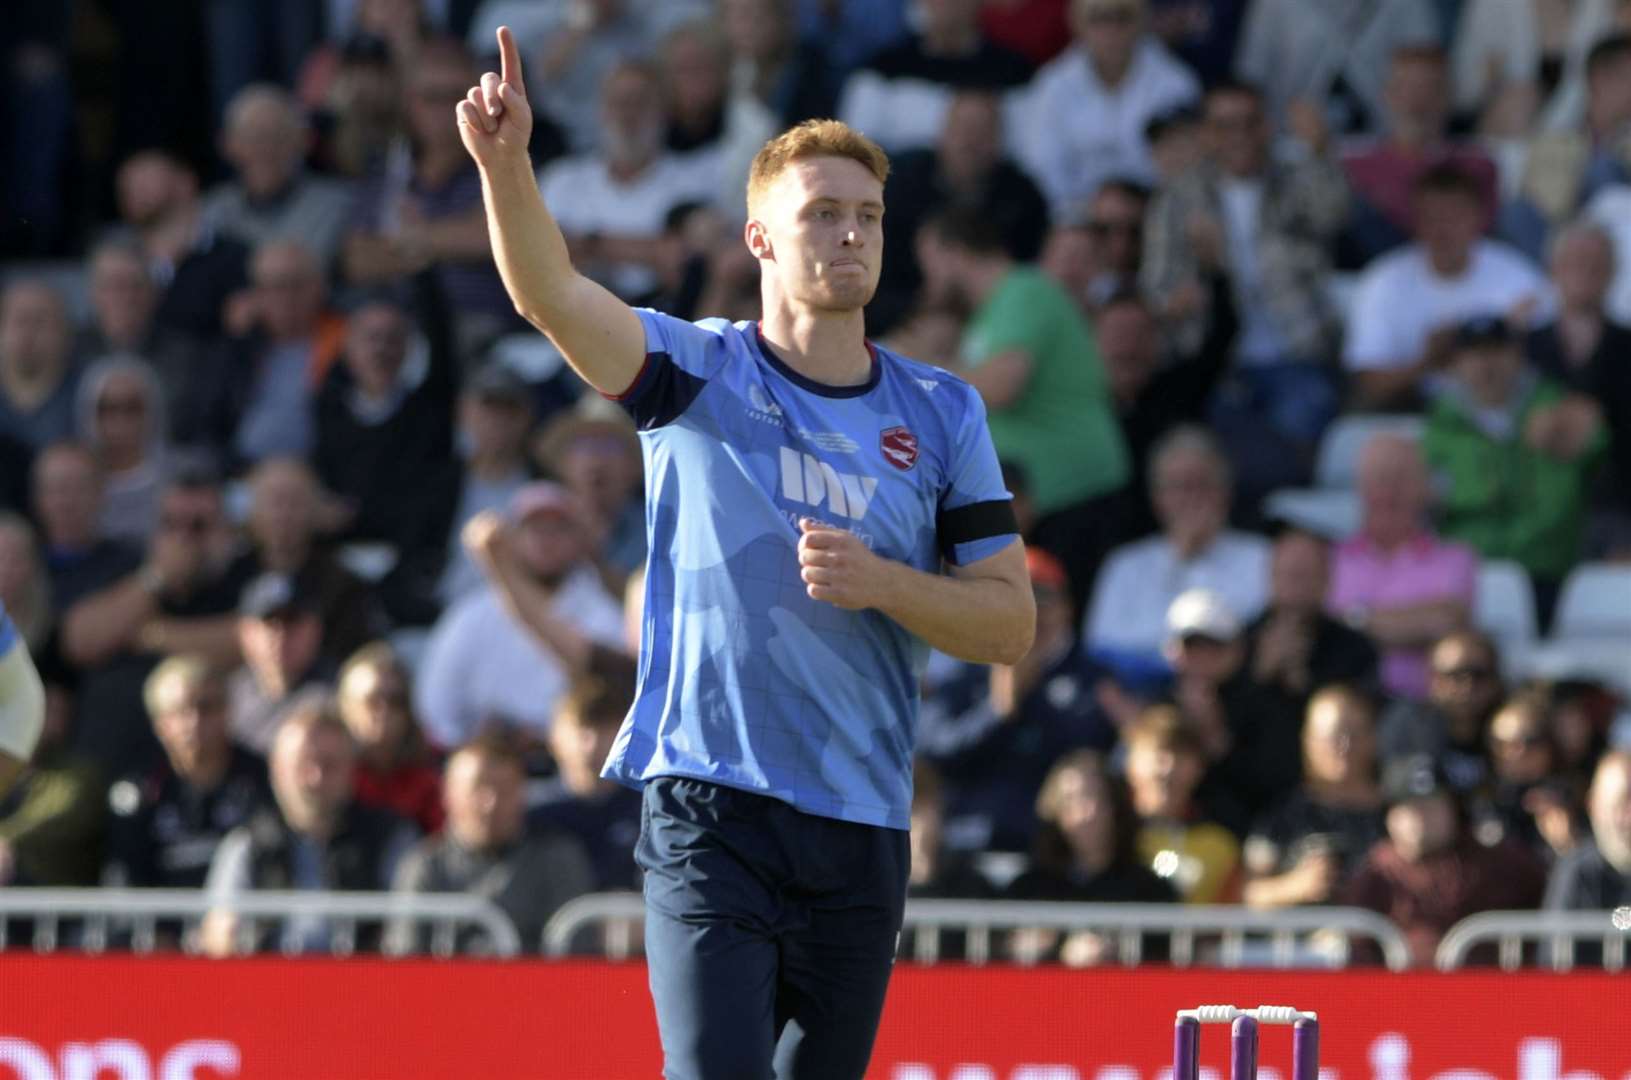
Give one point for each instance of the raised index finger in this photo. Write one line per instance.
(510, 60)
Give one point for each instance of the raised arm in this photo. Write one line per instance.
(597, 333)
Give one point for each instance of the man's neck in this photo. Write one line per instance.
(1193, 545)
(494, 468)
(628, 170)
(208, 773)
(1450, 265)
(586, 785)
(284, 560)
(827, 347)
(1354, 792)
(1111, 77)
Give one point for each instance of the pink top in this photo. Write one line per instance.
(1419, 571)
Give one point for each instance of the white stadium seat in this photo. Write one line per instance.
(1333, 514)
(1505, 607)
(1606, 659)
(1338, 462)
(1596, 602)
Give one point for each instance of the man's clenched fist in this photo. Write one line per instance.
(838, 568)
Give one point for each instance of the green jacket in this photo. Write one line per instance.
(1502, 497)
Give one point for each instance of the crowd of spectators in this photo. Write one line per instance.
(335, 571)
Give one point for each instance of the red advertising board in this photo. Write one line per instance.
(83, 1018)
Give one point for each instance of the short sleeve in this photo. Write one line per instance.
(976, 518)
(1372, 342)
(681, 358)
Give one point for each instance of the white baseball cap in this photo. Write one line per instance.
(1202, 613)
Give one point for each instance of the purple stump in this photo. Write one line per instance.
(1186, 1049)
(1243, 1049)
(1305, 1050)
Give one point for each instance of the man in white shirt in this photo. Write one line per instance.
(611, 205)
(482, 666)
(1409, 302)
(1190, 487)
(1082, 121)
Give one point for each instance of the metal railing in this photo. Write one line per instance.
(136, 919)
(1556, 933)
(1227, 932)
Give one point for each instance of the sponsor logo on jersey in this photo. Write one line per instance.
(761, 408)
(812, 482)
(899, 447)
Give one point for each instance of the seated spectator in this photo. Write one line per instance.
(706, 127)
(1247, 729)
(1088, 849)
(265, 140)
(1294, 646)
(611, 205)
(124, 299)
(178, 597)
(38, 381)
(1583, 350)
(1564, 168)
(482, 666)
(1270, 227)
(1514, 454)
(1189, 487)
(773, 65)
(901, 97)
(994, 733)
(422, 209)
(495, 415)
(1527, 800)
(1086, 110)
(168, 820)
(122, 422)
(1429, 873)
(1408, 303)
(965, 168)
(1383, 171)
(1030, 354)
(395, 769)
(314, 836)
(1302, 850)
(1395, 579)
(1596, 875)
(67, 490)
(602, 814)
(1095, 249)
(25, 587)
(1337, 56)
(1175, 140)
(385, 424)
(488, 851)
(595, 454)
(1166, 762)
(280, 634)
(287, 509)
(202, 267)
(53, 819)
(1451, 724)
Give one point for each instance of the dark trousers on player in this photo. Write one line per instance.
(770, 933)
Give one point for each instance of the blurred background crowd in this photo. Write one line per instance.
(1304, 331)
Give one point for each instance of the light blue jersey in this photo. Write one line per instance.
(8, 632)
(745, 680)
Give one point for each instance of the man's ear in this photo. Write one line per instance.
(758, 239)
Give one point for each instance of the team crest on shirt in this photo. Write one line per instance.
(899, 447)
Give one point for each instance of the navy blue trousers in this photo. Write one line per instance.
(770, 933)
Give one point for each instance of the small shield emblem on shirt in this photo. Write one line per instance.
(899, 447)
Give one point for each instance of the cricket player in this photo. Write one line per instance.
(22, 703)
(820, 511)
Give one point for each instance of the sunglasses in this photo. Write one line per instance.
(131, 406)
(1464, 674)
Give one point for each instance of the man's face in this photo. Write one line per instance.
(195, 516)
(1109, 32)
(755, 28)
(1162, 779)
(485, 800)
(1518, 746)
(549, 542)
(1236, 135)
(1416, 92)
(600, 470)
(124, 415)
(191, 722)
(1392, 481)
(264, 145)
(1209, 659)
(375, 706)
(1489, 372)
(435, 89)
(1190, 495)
(150, 189)
(1299, 573)
(694, 76)
(1339, 739)
(1610, 92)
(1115, 226)
(280, 515)
(1448, 224)
(376, 345)
(33, 330)
(971, 141)
(631, 111)
(1083, 810)
(1129, 346)
(951, 16)
(819, 230)
(281, 649)
(67, 496)
(1609, 806)
(288, 291)
(122, 296)
(311, 772)
(1465, 681)
(1422, 827)
(1582, 268)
